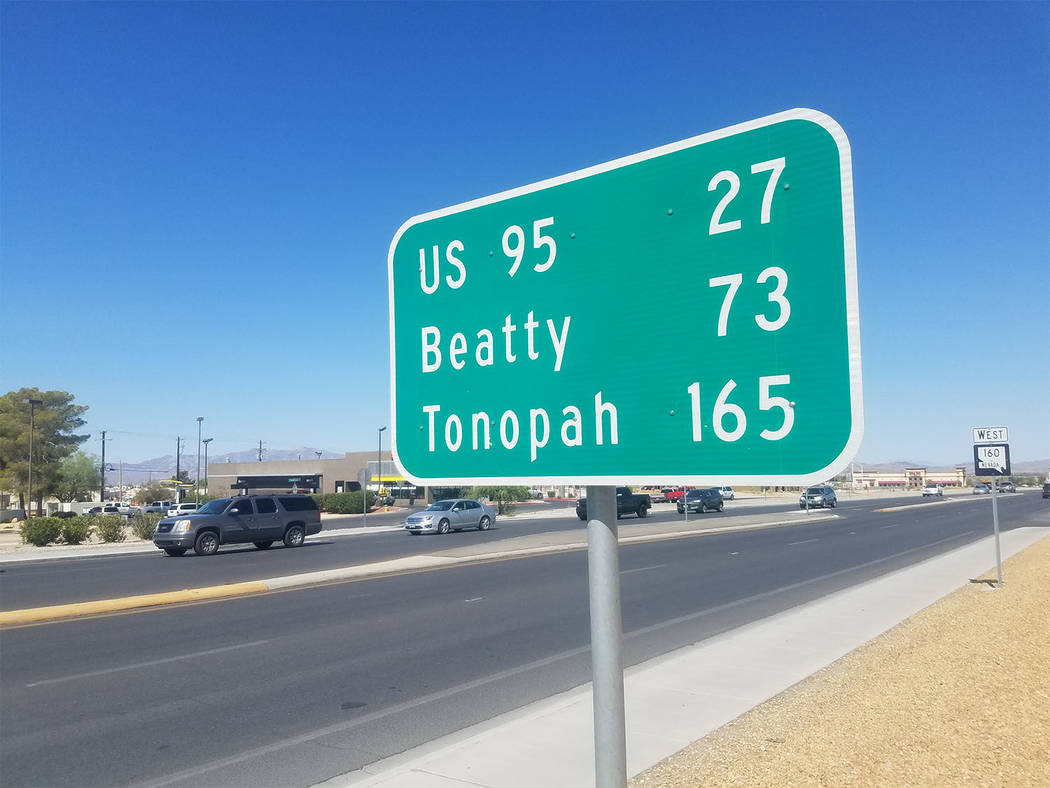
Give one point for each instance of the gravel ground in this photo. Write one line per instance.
(958, 694)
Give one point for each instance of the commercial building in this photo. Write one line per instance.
(909, 478)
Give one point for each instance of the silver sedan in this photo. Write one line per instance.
(453, 514)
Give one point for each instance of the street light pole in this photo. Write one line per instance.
(32, 428)
(178, 468)
(197, 478)
(102, 470)
(379, 464)
(206, 442)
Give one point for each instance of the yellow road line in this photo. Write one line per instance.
(32, 614)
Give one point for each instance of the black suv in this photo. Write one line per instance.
(258, 519)
(701, 500)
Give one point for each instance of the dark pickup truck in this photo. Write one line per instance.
(627, 502)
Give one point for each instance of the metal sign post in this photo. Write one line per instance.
(603, 569)
(518, 338)
(992, 459)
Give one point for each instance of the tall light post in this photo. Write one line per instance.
(206, 442)
(32, 428)
(379, 465)
(197, 478)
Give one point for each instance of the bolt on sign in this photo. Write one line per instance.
(686, 313)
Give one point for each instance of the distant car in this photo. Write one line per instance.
(727, 493)
(823, 496)
(117, 508)
(656, 494)
(453, 514)
(981, 489)
(932, 489)
(384, 500)
(1046, 490)
(537, 493)
(701, 500)
(94, 510)
(257, 519)
(158, 507)
(182, 508)
(1007, 487)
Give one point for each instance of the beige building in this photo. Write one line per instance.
(350, 472)
(909, 478)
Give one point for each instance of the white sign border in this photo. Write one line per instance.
(852, 313)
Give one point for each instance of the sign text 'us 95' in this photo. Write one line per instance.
(684, 314)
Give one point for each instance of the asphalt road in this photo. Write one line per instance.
(38, 583)
(294, 687)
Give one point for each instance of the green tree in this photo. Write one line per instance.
(54, 437)
(77, 476)
(501, 496)
(154, 491)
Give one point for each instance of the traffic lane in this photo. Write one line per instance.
(374, 667)
(36, 584)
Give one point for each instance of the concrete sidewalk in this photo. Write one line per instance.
(682, 696)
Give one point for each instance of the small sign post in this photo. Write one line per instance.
(992, 459)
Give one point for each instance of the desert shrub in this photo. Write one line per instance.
(144, 524)
(76, 529)
(41, 531)
(111, 527)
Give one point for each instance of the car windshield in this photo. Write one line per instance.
(440, 506)
(214, 507)
(815, 491)
(694, 494)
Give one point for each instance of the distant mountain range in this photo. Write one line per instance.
(164, 467)
(1021, 468)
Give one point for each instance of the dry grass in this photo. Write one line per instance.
(959, 694)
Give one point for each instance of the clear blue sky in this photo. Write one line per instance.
(183, 181)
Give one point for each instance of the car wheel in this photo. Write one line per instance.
(207, 543)
(834, 504)
(801, 506)
(263, 545)
(582, 516)
(175, 551)
(721, 506)
(643, 511)
(294, 536)
(444, 527)
(485, 524)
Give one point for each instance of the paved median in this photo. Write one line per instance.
(515, 547)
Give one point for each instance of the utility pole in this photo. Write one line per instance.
(178, 469)
(197, 478)
(206, 442)
(260, 451)
(102, 487)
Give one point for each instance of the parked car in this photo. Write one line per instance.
(701, 500)
(453, 514)
(384, 500)
(727, 493)
(537, 493)
(627, 502)
(187, 507)
(1007, 486)
(981, 489)
(1046, 490)
(656, 494)
(932, 489)
(158, 507)
(94, 510)
(675, 494)
(822, 496)
(117, 508)
(257, 519)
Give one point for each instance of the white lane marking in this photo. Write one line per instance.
(642, 569)
(364, 719)
(894, 525)
(148, 664)
(804, 541)
(736, 553)
(474, 599)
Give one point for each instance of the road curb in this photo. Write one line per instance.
(415, 563)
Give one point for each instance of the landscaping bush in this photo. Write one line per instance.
(41, 531)
(65, 515)
(111, 527)
(346, 503)
(76, 529)
(144, 524)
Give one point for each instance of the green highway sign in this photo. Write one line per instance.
(684, 314)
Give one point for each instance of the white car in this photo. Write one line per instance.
(182, 508)
(727, 493)
(932, 489)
